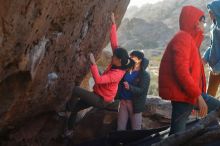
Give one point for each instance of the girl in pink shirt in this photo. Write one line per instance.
(106, 85)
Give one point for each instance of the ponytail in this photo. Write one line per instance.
(129, 64)
(122, 54)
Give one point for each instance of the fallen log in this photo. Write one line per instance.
(184, 137)
(207, 138)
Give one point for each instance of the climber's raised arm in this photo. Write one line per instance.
(113, 33)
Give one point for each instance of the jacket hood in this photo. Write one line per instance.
(144, 64)
(189, 18)
(215, 8)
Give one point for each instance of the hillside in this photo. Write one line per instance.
(153, 25)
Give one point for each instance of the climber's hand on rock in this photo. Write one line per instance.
(113, 18)
(92, 58)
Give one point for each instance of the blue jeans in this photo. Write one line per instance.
(181, 112)
(211, 102)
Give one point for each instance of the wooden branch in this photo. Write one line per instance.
(185, 136)
(207, 138)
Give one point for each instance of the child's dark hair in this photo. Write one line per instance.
(126, 61)
(138, 54)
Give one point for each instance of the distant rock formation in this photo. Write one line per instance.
(152, 25)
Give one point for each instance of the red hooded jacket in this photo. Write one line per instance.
(181, 74)
(106, 85)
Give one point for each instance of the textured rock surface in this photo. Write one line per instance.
(42, 37)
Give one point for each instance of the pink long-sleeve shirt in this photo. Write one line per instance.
(106, 85)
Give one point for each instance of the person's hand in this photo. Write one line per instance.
(92, 58)
(203, 108)
(126, 84)
(113, 18)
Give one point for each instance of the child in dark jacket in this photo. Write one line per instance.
(132, 93)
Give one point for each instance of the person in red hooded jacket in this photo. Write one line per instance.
(181, 73)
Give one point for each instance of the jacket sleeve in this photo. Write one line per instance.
(216, 47)
(110, 77)
(182, 56)
(114, 37)
(207, 54)
(144, 85)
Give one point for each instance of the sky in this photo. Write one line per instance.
(139, 3)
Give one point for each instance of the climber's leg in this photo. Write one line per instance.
(85, 100)
(89, 98)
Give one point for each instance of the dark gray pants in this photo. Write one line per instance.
(84, 100)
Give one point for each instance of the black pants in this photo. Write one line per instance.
(85, 100)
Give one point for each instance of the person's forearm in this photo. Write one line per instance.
(114, 37)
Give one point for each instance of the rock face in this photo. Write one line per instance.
(44, 46)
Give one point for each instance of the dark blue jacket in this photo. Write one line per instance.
(212, 54)
(139, 88)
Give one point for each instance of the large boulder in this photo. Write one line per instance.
(44, 47)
